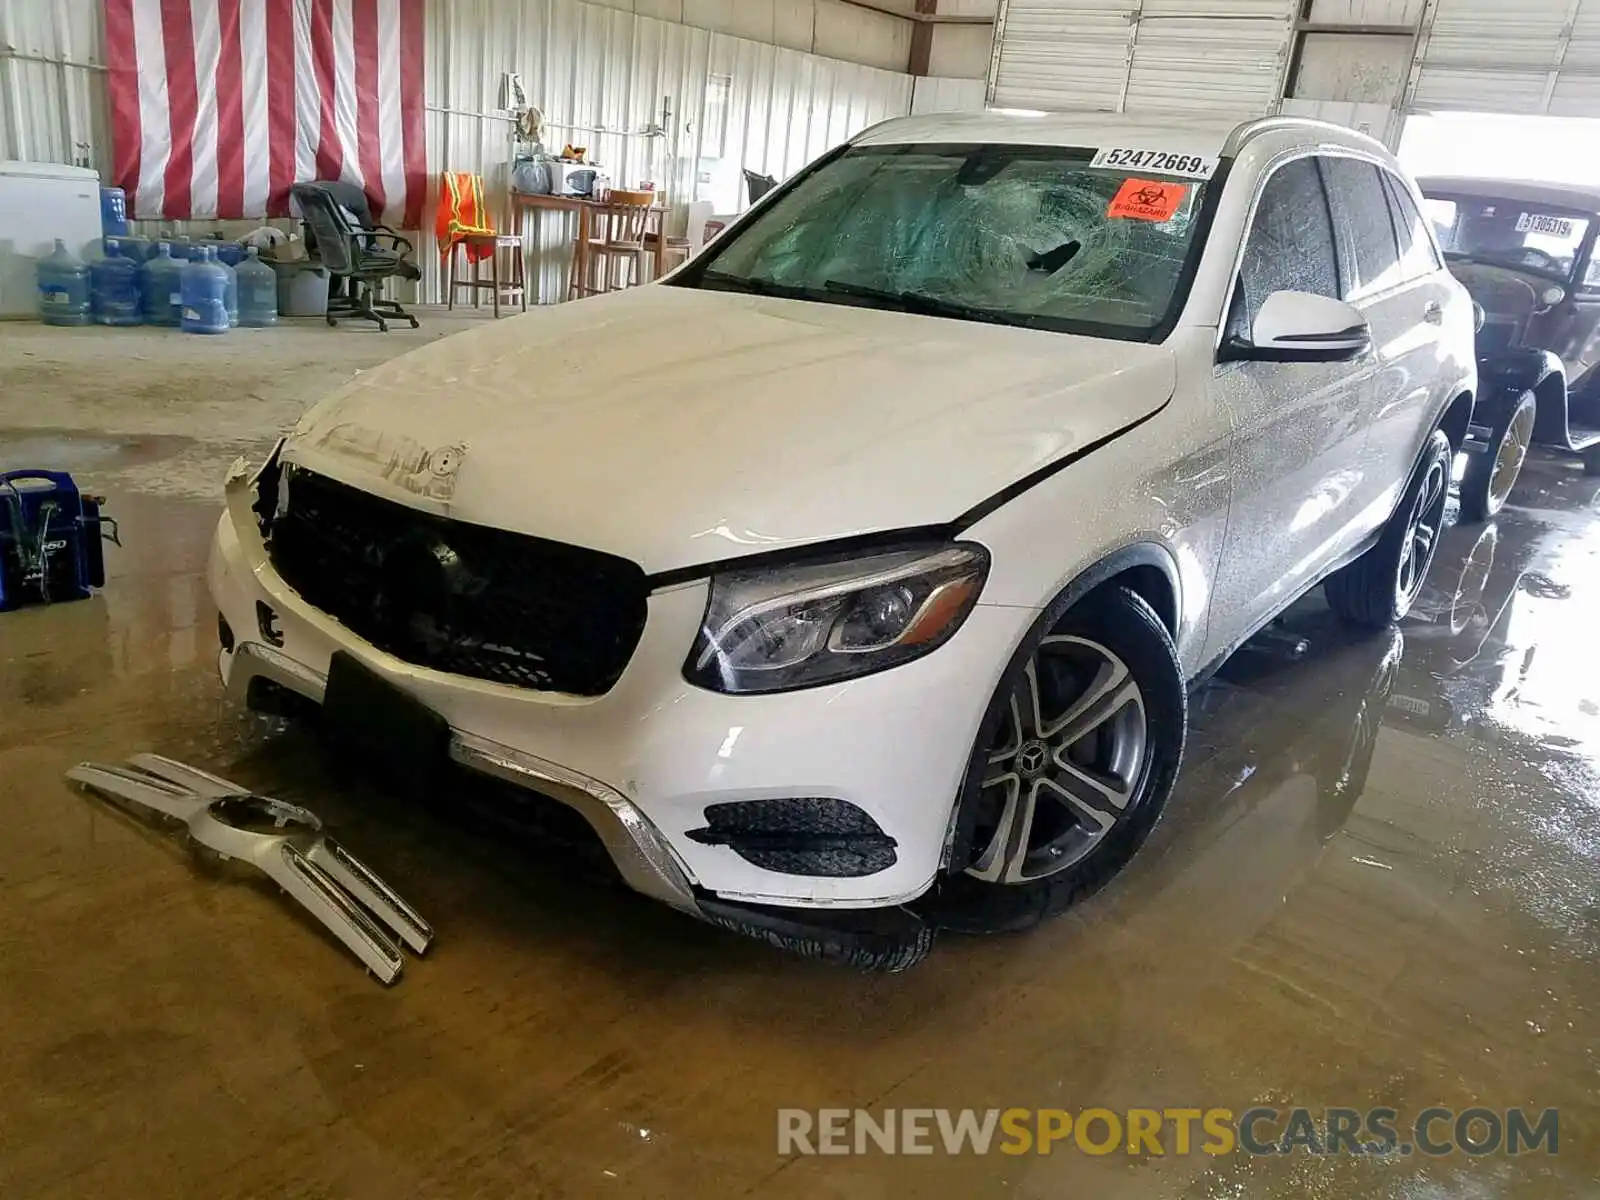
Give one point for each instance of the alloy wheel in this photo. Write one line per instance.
(1509, 457)
(1422, 532)
(1069, 762)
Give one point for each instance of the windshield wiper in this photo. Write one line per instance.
(921, 302)
(753, 284)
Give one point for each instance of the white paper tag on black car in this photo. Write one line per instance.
(1156, 162)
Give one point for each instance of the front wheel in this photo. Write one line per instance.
(1490, 476)
(1381, 586)
(1072, 767)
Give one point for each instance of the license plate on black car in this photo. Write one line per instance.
(392, 730)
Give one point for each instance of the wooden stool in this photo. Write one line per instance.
(512, 288)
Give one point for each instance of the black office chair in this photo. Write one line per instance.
(355, 253)
(758, 185)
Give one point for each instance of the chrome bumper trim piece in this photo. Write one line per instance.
(337, 888)
(642, 856)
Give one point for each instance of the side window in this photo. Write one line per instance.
(1361, 214)
(1417, 256)
(1290, 247)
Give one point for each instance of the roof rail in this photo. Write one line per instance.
(1243, 133)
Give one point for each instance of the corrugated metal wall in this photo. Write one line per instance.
(732, 103)
(602, 76)
(1206, 59)
(1511, 56)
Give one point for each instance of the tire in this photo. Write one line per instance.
(1490, 476)
(1591, 461)
(1381, 586)
(1025, 848)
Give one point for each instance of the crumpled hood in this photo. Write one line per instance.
(674, 426)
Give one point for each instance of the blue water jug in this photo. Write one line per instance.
(258, 291)
(63, 288)
(230, 254)
(114, 288)
(136, 248)
(113, 212)
(230, 298)
(205, 294)
(160, 283)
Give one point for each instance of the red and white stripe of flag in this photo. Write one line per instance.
(217, 106)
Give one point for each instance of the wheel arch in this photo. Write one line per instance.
(1146, 568)
(1457, 418)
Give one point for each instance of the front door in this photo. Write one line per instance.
(1298, 427)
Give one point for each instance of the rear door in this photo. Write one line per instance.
(1406, 313)
(1298, 427)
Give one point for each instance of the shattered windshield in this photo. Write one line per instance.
(1509, 233)
(1019, 235)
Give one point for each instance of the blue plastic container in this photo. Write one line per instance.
(113, 212)
(114, 288)
(230, 298)
(230, 254)
(136, 248)
(63, 288)
(258, 291)
(205, 294)
(160, 285)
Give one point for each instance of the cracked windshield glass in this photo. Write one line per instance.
(1025, 235)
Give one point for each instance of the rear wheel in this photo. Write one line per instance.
(1591, 461)
(1490, 476)
(1381, 586)
(1073, 766)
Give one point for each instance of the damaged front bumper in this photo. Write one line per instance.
(671, 743)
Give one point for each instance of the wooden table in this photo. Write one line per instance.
(585, 208)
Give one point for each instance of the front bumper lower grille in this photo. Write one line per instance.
(455, 597)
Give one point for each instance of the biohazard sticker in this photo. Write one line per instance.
(1147, 200)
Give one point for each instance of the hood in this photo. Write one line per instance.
(674, 426)
(1502, 291)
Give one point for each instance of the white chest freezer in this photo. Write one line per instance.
(40, 202)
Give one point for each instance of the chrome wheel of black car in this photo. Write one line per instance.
(1422, 533)
(1071, 755)
(1490, 475)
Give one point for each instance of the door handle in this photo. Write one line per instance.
(1433, 312)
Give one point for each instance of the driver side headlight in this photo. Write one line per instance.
(791, 627)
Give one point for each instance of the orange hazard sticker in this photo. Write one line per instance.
(1147, 200)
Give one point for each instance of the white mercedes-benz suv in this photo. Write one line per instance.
(851, 581)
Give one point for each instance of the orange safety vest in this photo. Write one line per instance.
(462, 216)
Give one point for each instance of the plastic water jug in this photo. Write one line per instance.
(160, 281)
(63, 288)
(114, 288)
(230, 298)
(258, 291)
(230, 254)
(205, 294)
(136, 248)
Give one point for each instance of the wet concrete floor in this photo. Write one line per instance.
(1375, 886)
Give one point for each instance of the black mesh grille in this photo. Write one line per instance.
(459, 598)
(800, 835)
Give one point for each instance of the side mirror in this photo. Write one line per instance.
(1304, 328)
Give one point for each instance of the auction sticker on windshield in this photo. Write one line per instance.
(1147, 200)
(1537, 223)
(1164, 162)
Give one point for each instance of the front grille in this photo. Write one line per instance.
(459, 598)
(800, 835)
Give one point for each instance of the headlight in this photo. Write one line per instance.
(791, 627)
(1553, 295)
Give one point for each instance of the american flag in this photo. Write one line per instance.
(218, 106)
